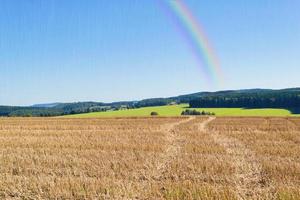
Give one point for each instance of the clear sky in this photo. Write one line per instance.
(110, 50)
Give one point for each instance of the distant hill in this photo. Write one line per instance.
(258, 98)
(46, 105)
(286, 98)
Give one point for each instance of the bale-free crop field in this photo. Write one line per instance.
(150, 158)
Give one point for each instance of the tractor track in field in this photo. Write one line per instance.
(173, 148)
(248, 177)
(154, 171)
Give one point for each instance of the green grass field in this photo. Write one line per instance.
(175, 110)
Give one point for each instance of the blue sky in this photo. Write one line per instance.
(99, 50)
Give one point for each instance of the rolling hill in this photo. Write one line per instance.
(286, 99)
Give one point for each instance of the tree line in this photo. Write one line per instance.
(256, 100)
(195, 112)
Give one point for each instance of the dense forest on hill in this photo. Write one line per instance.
(269, 99)
(253, 98)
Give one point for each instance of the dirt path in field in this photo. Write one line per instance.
(202, 126)
(249, 181)
(173, 148)
(157, 166)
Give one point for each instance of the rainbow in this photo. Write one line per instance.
(194, 33)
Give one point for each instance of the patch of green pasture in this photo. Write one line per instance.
(175, 110)
(138, 112)
(248, 112)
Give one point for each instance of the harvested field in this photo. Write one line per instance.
(265, 152)
(150, 158)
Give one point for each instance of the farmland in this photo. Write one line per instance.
(150, 158)
(175, 110)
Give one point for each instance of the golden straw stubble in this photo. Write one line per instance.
(150, 158)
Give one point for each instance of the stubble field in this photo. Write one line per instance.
(150, 158)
